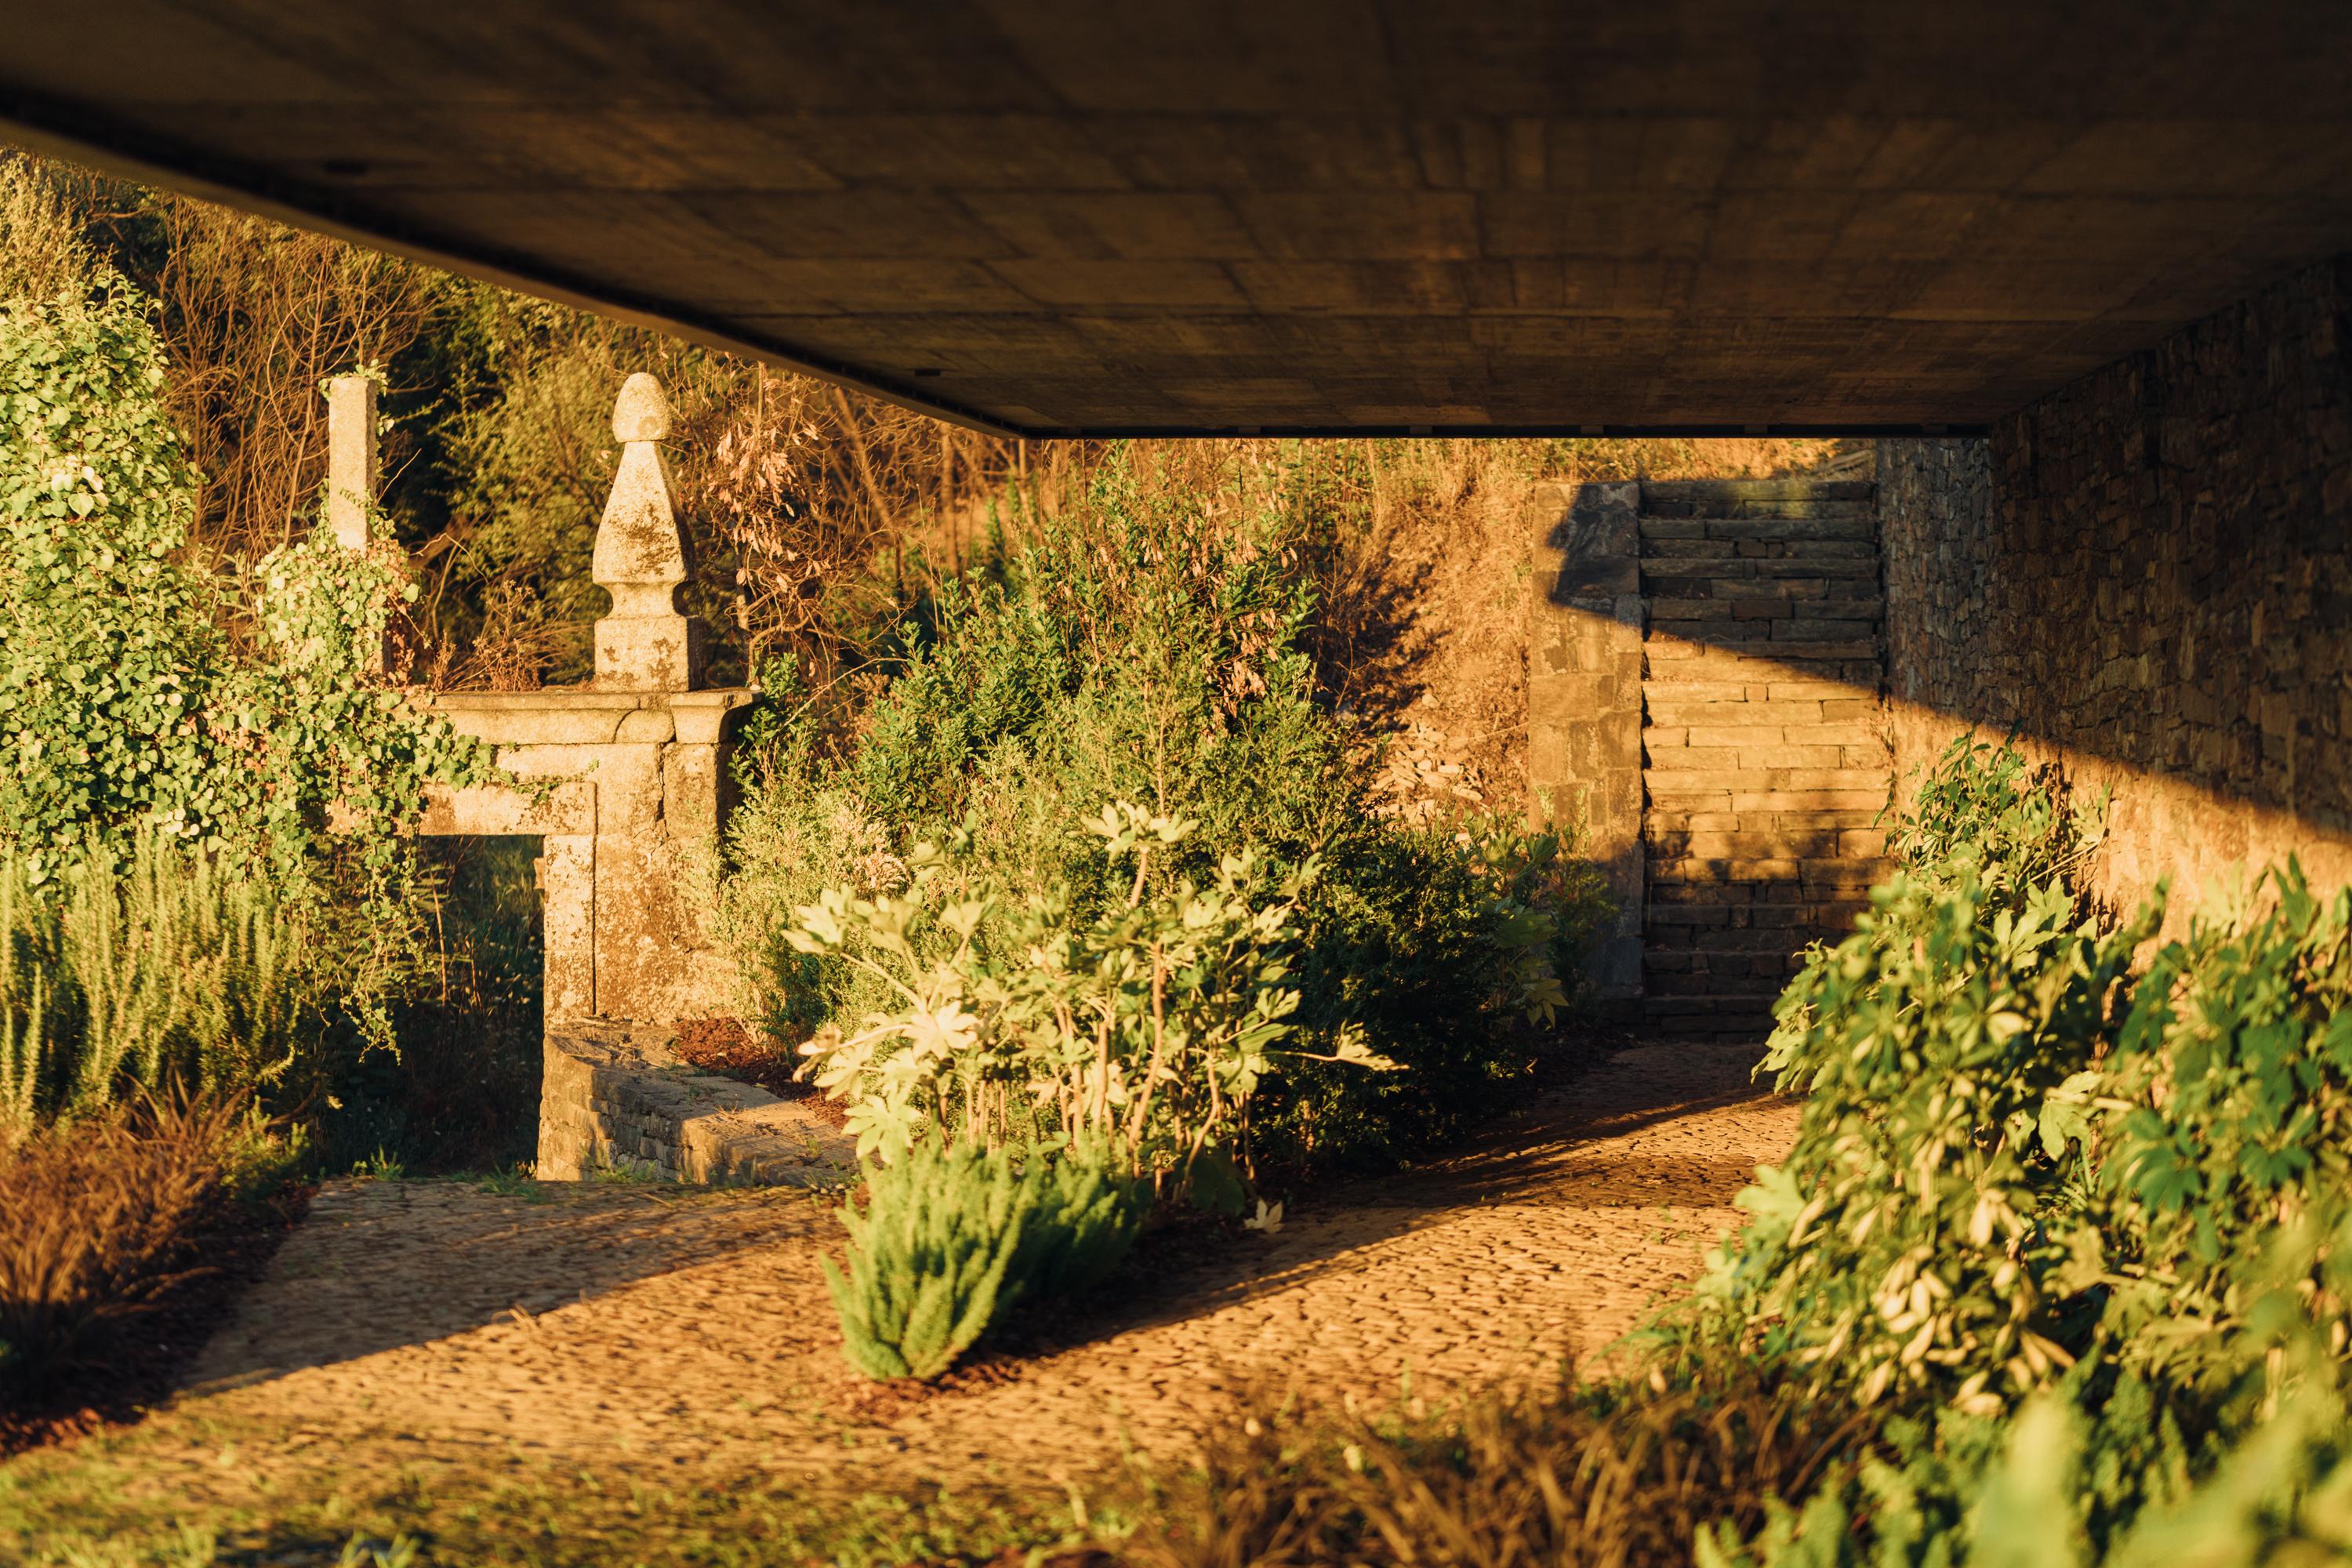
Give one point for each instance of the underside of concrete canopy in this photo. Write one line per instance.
(1060, 216)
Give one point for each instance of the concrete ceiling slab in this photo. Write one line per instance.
(1068, 216)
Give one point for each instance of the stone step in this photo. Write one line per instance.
(1663, 820)
(1679, 671)
(1679, 705)
(1690, 492)
(1662, 644)
(1740, 802)
(1794, 486)
(1828, 572)
(1686, 552)
(1745, 1012)
(1861, 526)
(1793, 871)
(1768, 844)
(1767, 512)
(1748, 602)
(1728, 735)
(1670, 773)
(1691, 943)
(1802, 587)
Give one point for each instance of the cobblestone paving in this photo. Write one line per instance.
(440, 1323)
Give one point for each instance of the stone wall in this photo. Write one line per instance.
(2150, 575)
(1762, 756)
(615, 1099)
(1584, 702)
(1703, 679)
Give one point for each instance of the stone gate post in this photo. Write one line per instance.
(642, 752)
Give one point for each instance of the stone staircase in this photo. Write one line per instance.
(1764, 760)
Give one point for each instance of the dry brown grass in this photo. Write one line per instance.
(1552, 1479)
(98, 1217)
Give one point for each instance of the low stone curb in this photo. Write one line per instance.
(616, 1099)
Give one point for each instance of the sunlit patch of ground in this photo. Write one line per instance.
(506, 1368)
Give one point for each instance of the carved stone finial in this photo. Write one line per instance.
(641, 411)
(645, 645)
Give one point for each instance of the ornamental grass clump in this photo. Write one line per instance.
(98, 1217)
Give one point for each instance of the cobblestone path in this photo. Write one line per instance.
(425, 1322)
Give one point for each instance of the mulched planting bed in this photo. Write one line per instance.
(726, 1047)
(141, 1363)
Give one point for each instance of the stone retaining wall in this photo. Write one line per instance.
(2150, 575)
(616, 1099)
(1763, 761)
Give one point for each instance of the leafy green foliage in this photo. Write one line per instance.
(1091, 1209)
(146, 707)
(2221, 1115)
(1979, 812)
(1902, 1243)
(1148, 1026)
(2074, 1237)
(930, 1259)
(1140, 645)
(107, 647)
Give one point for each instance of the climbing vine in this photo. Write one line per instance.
(126, 705)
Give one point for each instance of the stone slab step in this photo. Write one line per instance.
(1662, 644)
(1683, 551)
(1826, 572)
(1793, 488)
(1862, 526)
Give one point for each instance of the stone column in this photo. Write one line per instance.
(1584, 700)
(351, 458)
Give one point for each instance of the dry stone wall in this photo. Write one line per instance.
(2149, 575)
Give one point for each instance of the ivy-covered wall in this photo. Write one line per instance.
(2150, 574)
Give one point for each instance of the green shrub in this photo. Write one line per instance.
(1904, 1244)
(107, 646)
(1147, 1027)
(954, 1236)
(1979, 811)
(1145, 646)
(931, 1259)
(2221, 1115)
(2083, 1236)
(161, 972)
(1089, 1210)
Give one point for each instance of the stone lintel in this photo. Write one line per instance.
(640, 791)
(491, 809)
(586, 716)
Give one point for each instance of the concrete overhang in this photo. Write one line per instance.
(1076, 216)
